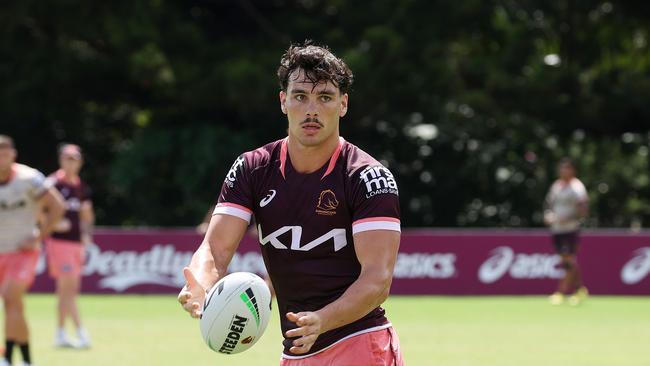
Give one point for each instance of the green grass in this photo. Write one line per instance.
(450, 331)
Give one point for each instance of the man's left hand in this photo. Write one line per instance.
(309, 328)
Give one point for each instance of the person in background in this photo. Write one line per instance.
(24, 194)
(66, 247)
(567, 204)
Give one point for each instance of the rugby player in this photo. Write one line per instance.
(328, 222)
(24, 194)
(567, 204)
(66, 246)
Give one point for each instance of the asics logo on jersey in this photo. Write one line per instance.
(266, 200)
(378, 180)
(338, 235)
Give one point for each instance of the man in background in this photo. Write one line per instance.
(24, 194)
(66, 247)
(566, 207)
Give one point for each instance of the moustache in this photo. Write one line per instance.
(311, 120)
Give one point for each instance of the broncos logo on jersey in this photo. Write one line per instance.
(327, 203)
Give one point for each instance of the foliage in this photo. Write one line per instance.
(470, 103)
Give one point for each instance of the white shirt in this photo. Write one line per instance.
(18, 205)
(564, 200)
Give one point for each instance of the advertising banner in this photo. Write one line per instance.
(442, 262)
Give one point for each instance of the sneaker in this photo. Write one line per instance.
(579, 296)
(84, 339)
(62, 342)
(556, 299)
(83, 343)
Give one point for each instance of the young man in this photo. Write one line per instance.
(328, 223)
(65, 249)
(24, 193)
(567, 205)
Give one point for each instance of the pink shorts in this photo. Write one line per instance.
(377, 348)
(65, 257)
(18, 266)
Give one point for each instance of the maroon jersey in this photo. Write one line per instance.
(74, 194)
(306, 223)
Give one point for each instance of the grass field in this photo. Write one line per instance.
(449, 331)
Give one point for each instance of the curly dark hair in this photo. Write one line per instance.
(318, 63)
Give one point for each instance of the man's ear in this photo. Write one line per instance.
(283, 100)
(344, 105)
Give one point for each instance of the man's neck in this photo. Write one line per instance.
(308, 159)
(70, 176)
(5, 175)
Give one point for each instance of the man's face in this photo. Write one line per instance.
(566, 171)
(7, 157)
(313, 111)
(70, 164)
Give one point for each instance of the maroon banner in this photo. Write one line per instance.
(449, 262)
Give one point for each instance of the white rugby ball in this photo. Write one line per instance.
(235, 313)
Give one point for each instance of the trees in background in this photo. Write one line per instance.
(469, 103)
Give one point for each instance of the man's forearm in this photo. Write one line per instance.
(203, 266)
(365, 294)
(50, 219)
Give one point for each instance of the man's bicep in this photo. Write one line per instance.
(377, 248)
(51, 198)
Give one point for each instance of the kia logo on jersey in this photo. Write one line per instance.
(340, 240)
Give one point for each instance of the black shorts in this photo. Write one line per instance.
(566, 243)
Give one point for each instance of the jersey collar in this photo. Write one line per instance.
(60, 176)
(330, 167)
(12, 174)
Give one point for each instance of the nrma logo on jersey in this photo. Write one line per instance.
(637, 268)
(378, 180)
(519, 265)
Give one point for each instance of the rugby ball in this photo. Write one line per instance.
(235, 313)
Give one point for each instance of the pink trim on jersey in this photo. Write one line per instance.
(12, 174)
(376, 219)
(334, 158)
(365, 331)
(283, 156)
(284, 151)
(234, 205)
(376, 223)
(234, 210)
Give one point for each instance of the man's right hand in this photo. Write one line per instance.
(192, 295)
